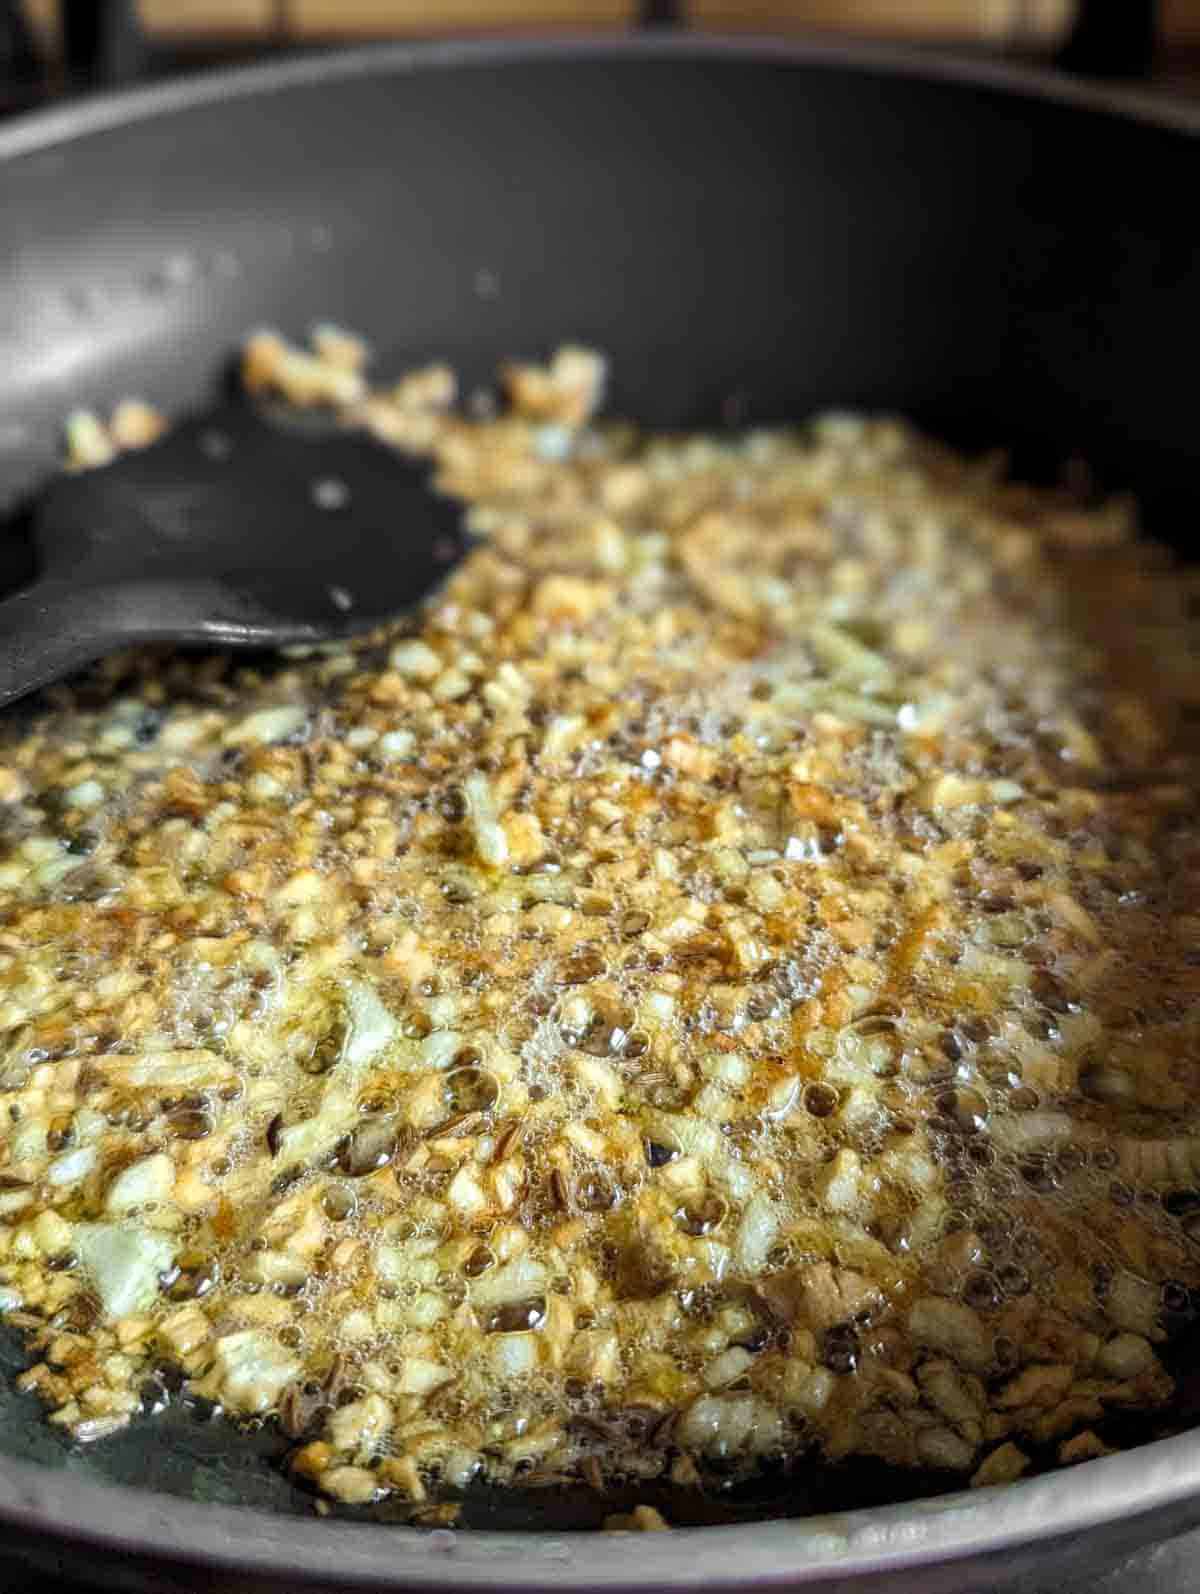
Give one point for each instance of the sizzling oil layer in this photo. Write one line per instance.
(722, 982)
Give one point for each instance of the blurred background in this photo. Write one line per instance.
(51, 46)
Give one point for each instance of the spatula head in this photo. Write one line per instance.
(244, 525)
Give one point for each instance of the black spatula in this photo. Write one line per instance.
(236, 529)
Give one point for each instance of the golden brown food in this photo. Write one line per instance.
(721, 980)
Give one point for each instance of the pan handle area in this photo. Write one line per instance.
(103, 44)
(1111, 41)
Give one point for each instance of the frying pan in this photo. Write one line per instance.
(751, 230)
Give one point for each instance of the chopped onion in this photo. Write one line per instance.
(142, 1183)
(251, 1371)
(513, 1355)
(419, 1376)
(125, 1263)
(72, 1166)
(756, 1233)
(515, 1281)
(440, 1049)
(372, 1027)
(267, 725)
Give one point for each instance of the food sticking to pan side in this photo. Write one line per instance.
(715, 988)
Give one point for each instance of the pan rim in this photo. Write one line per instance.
(975, 1526)
(123, 1522)
(41, 131)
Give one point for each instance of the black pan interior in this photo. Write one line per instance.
(747, 232)
(751, 233)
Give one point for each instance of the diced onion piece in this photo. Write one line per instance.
(419, 1376)
(491, 844)
(191, 1070)
(517, 1280)
(250, 1371)
(756, 1233)
(513, 1355)
(267, 725)
(730, 1425)
(440, 1049)
(72, 1166)
(141, 1184)
(727, 1367)
(125, 1263)
(372, 1027)
(466, 1194)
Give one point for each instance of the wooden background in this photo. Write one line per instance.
(1004, 23)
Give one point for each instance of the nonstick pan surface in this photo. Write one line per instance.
(751, 231)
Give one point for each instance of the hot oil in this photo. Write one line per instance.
(743, 855)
